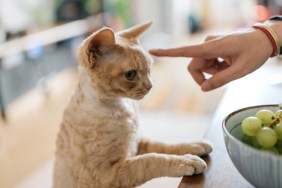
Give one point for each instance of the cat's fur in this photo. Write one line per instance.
(98, 144)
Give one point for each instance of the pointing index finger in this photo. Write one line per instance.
(186, 51)
(212, 47)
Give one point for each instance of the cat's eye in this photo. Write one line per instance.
(130, 75)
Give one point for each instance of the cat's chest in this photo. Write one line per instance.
(93, 118)
(125, 109)
(124, 115)
(123, 112)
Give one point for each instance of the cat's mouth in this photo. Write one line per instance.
(140, 94)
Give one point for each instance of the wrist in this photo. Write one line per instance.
(265, 43)
(276, 26)
(268, 29)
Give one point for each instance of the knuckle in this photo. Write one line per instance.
(239, 71)
(193, 69)
(209, 38)
(216, 84)
(190, 68)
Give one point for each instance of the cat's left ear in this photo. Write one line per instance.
(134, 33)
(101, 42)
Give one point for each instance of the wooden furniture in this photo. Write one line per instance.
(262, 87)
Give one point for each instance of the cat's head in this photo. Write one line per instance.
(115, 63)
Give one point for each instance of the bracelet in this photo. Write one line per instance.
(277, 18)
(272, 36)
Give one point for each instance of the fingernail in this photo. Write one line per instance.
(206, 86)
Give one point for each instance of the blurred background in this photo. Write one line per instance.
(38, 41)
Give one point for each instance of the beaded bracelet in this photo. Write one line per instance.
(272, 36)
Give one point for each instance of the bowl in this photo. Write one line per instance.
(260, 168)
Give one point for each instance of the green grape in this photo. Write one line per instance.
(255, 142)
(247, 139)
(272, 150)
(266, 137)
(251, 141)
(266, 116)
(279, 143)
(278, 113)
(278, 146)
(278, 130)
(251, 125)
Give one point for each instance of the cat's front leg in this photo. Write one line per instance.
(139, 169)
(200, 148)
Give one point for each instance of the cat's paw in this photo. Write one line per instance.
(206, 145)
(192, 164)
(201, 148)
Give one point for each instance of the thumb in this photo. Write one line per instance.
(221, 78)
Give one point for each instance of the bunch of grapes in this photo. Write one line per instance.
(264, 130)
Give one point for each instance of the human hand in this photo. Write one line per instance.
(226, 58)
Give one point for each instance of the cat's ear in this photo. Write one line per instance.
(101, 42)
(134, 33)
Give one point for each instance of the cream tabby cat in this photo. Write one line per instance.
(98, 144)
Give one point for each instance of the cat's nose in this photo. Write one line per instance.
(149, 87)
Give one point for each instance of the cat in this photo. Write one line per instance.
(98, 145)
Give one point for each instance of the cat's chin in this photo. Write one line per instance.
(139, 98)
